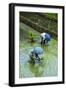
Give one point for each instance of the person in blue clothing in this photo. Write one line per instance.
(45, 38)
(35, 52)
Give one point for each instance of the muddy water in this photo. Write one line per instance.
(48, 65)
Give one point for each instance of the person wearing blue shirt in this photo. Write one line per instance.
(45, 38)
(35, 52)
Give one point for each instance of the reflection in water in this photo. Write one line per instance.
(37, 68)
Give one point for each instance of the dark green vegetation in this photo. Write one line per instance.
(48, 21)
(30, 37)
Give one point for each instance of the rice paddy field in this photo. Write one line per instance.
(48, 65)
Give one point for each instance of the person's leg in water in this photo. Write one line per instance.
(41, 40)
(37, 56)
(46, 42)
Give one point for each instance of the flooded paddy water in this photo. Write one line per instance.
(48, 64)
